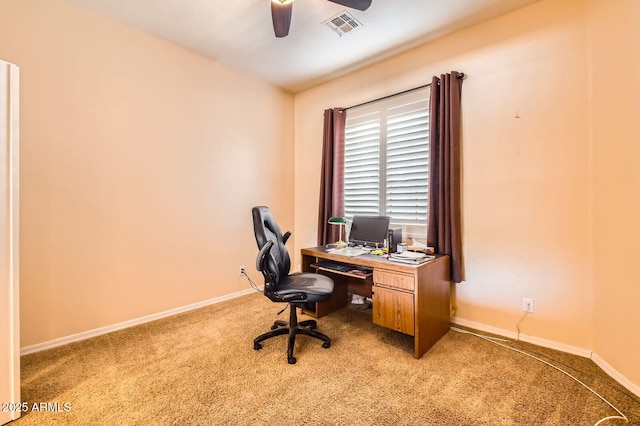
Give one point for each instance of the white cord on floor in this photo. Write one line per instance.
(494, 341)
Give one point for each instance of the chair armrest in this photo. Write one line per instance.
(262, 255)
(285, 237)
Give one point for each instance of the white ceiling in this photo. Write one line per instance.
(239, 33)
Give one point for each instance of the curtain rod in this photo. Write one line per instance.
(459, 75)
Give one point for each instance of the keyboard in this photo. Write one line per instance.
(327, 264)
(341, 267)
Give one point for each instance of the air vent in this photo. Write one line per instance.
(343, 23)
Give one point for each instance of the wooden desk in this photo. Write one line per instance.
(410, 299)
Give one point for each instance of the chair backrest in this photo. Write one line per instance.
(277, 263)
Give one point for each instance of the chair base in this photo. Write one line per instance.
(292, 328)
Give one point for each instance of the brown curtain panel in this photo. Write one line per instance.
(444, 232)
(332, 175)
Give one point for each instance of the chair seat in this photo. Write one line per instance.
(318, 288)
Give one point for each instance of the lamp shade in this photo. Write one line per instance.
(336, 220)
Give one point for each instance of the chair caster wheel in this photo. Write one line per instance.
(257, 346)
(273, 327)
(326, 345)
(291, 360)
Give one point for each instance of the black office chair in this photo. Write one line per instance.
(297, 289)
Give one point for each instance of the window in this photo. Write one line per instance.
(387, 161)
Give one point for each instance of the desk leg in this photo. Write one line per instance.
(306, 263)
(432, 305)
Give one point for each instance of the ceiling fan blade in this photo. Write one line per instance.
(281, 16)
(354, 4)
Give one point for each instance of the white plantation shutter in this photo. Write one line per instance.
(362, 166)
(408, 165)
(387, 160)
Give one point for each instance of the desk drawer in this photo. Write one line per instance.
(394, 280)
(394, 309)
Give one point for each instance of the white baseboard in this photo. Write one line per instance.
(125, 324)
(529, 339)
(616, 375)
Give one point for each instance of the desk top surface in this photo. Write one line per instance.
(368, 260)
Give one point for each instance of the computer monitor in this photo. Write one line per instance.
(369, 231)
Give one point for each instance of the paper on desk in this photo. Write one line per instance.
(409, 255)
(418, 244)
(347, 251)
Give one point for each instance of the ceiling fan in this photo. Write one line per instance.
(281, 12)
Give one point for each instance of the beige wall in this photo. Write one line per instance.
(533, 221)
(615, 130)
(140, 162)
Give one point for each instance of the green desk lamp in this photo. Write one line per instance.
(335, 220)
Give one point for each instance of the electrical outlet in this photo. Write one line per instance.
(527, 304)
(241, 270)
